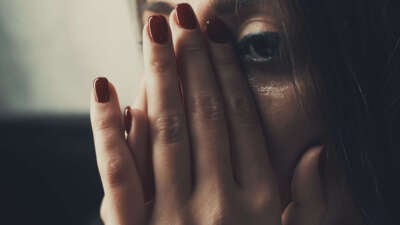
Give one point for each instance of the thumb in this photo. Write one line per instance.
(308, 206)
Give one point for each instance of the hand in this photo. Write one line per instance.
(209, 155)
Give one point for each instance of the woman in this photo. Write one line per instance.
(251, 112)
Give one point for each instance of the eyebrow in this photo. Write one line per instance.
(220, 6)
(158, 7)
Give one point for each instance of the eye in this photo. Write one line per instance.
(259, 48)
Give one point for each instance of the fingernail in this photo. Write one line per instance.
(158, 28)
(217, 30)
(101, 89)
(186, 17)
(127, 119)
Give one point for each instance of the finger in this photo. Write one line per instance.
(171, 156)
(137, 139)
(120, 181)
(308, 206)
(251, 163)
(204, 104)
(142, 154)
(141, 99)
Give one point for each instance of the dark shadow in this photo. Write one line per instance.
(50, 171)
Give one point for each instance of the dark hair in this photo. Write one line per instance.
(354, 45)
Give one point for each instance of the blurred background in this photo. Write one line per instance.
(50, 51)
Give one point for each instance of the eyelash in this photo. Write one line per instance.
(259, 47)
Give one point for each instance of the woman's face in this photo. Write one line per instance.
(290, 120)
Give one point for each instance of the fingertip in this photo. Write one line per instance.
(306, 181)
(127, 119)
(309, 205)
(313, 152)
(311, 159)
(289, 214)
(133, 118)
(217, 31)
(103, 91)
(105, 111)
(156, 30)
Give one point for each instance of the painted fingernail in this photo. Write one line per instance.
(186, 17)
(101, 90)
(217, 30)
(158, 29)
(127, 119)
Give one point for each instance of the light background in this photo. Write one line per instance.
(50, 51)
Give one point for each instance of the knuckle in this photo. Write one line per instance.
(220, 205)
(207, 107)
(115, 171)
(168, 128)
(219, 216)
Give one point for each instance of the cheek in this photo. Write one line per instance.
(288, 126)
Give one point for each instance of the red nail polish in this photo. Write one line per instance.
(158, 29)
(217, 31)
(186, 17)
(127, 119)
(101, 89)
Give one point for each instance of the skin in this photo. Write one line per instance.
(212, 161)
(281, 114)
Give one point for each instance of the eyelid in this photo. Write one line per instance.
(257, 25)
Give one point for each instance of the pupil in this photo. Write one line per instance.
(262, 48)
(267, 45)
